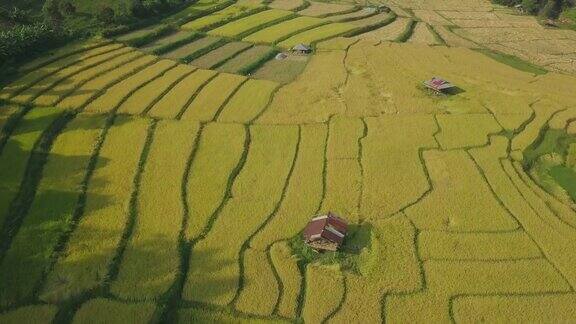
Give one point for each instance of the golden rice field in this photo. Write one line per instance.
(135, 188)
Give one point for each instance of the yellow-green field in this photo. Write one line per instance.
(135, 188)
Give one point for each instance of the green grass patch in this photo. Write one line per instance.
(513, 61)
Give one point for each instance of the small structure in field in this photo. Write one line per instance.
(281, 56)
(326, 232)
(520, 9)
(302, 49)
(439, 85)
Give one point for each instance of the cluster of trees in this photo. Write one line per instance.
(544, 8)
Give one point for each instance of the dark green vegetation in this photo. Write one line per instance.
(513, 61)
(550, 161)
(545, 8)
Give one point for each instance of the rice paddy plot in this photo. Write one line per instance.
(92, 246)
(173, 102)
(478, 127)
(423, 35)
(317, 34)
(16, 153)
(193, 49)
(353, 16)
(286, 265)
(220, 17)
(197, 9)
(389, 32)
(144, 98)
(112, 311)
(68, 85)
(319, 9)
(220, 55)
(284, 29)
(7, 112)
(249, 101)
(53, 69)
(287, 4)
(179, 37)
(30, 314)
(82, 95)
(50, 81)
(255, 192)
(251, 23)
(212, 97)
(375, 20)
(117, 94)
(282, 71)
(150, 262)
(243, 62)
(324, 291)
(51, 212)
(126, 38)
(207, 181)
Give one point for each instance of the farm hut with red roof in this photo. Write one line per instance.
(438, 85)
(325, 232)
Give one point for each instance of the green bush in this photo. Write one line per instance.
(27, 40)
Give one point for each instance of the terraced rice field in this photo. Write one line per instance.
(134, 188)
(242, 62)
(320, 9)
(220, 17)
(193, 49)
(251, 23)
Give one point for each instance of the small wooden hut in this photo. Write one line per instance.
(302, 49)
(325, 232)
(438, 85)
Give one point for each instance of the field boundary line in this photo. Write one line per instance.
(165, 92)
(11, 124)
(194, 95)
(225, 103)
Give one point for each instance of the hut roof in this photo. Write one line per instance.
(438, 84)
(330, 227)
(302, 47)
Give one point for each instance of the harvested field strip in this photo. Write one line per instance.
(290, 279)
(171, 42)
(479, 127)
(60, 53)
(389, 32)
(552, 308)
(116, 95)
(320, 9)
(50, 81)
(243, 62)
(144, 98)
(354, 16)
(207, 180)
(111, 311)
(248, 102)
(281, 71)
(30, 314)
(220, 55)
(287, 4)
(150, 263)
(303, 195)
(51, 211)
(222, 17)
(255, 193)
(194, 49)
(251, 23)
(92, 246)
(317, 34)
(173, 102)
(458, 208)
(89, 90)
(284, 30)
(260, 289)
(423, 35)
(207, 104)
(16, 154)
(477, 246)
(35, 76)
(324, 292)
(68, 85)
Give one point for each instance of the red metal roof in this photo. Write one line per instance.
(438, 84)
(330, 227)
